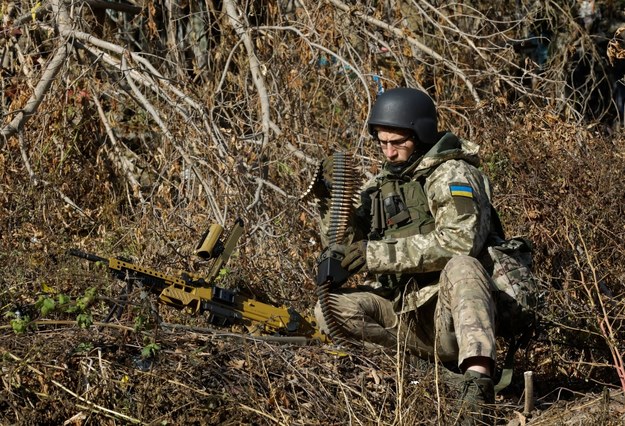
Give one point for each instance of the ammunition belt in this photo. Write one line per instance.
(341, 207)
(342, 196)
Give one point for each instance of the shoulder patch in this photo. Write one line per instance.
(461, 190)
(462, 194)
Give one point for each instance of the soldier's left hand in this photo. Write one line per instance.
(356, 257)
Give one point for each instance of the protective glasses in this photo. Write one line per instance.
(397, 143)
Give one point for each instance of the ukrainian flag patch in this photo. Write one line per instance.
(461, 190)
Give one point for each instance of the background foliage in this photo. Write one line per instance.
(129, 127)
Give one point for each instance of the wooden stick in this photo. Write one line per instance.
(529, 392)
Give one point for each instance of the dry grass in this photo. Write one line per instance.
(142, 192)
(549, 185)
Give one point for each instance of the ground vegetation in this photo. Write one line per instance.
(129, 127)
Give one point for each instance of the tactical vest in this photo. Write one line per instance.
(399, 208)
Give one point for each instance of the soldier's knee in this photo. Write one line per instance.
(461, 264)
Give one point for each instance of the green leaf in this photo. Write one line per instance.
(47, 306)
(139, 323)
(39, 302)
(84, 320)
(20, 325)
(84, 347)
(85, 301)
(150, 350)
(63, 299)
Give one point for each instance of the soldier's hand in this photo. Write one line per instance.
(356, 257)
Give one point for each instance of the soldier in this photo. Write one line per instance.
(422, 224)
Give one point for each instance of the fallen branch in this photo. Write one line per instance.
(48, 76)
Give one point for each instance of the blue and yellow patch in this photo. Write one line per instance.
(462, 194)
(461, 190)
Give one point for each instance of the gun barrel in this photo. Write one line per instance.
(84, 255)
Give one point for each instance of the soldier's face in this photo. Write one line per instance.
(396, 144)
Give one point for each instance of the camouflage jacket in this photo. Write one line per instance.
(458, 200)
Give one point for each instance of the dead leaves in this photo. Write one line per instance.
(616, 46)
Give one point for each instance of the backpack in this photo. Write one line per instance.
(517, 299)
(510, 263)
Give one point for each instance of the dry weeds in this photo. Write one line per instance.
(141, 172)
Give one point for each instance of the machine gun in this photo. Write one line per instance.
(195, 294)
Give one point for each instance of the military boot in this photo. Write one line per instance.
(478, 392)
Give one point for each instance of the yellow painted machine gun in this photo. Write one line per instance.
(195, 294)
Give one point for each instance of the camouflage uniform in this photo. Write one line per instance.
(429, 290)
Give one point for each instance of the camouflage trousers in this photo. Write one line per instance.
(455, 324)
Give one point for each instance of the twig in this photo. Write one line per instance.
(96, 4)
(212, 200)
(324, 49)
(120, 160)
(462, 34)
(152, 111)
(416, 43)
(43, 86)
(259, 186)
(147, 105)
(134, 72)
(43, 182)
(68, 32)
(529, 393)
(96, 407)
(133, 75)
(260, 413)
(288, 340)
(239, 23)
(437, 380)
(91, 405)
(70, 322)
(119, 7)
(353, 391)
(602, 316)
(24, 154)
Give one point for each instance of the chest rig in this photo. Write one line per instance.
(399, 206)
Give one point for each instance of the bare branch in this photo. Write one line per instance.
(241, 27)
(117, 157)
(413, 41)
(49, 75)
(110, 5)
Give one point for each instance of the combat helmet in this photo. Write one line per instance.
(406, 108)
